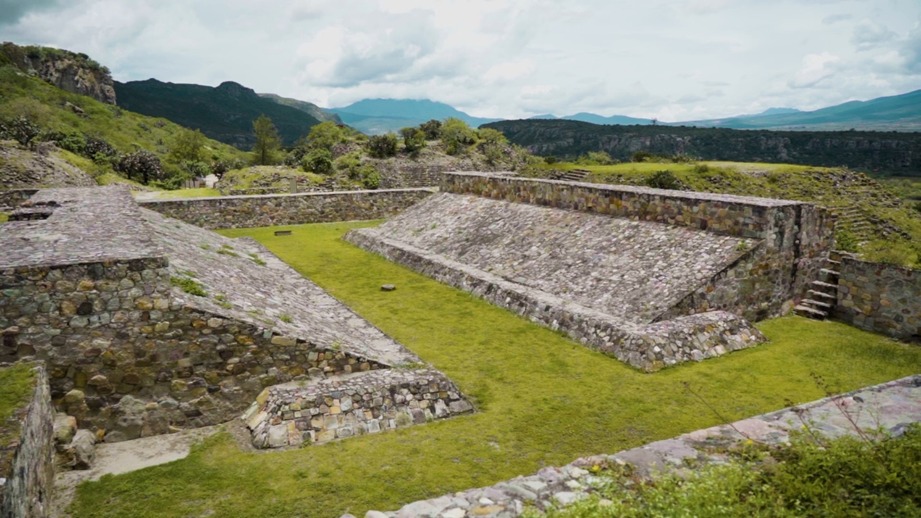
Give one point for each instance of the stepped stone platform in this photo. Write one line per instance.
(148, 324)
(649, 276)
(291, 414)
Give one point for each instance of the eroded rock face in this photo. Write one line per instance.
(66, 70)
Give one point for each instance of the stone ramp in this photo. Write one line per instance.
(247, 282)
(630, 270)
(891, 406)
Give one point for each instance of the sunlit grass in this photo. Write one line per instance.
(542, 400)
(200, 192)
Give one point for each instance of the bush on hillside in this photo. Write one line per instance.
(456, 136)
(413, 140)
(664, 179)
(142, 165)
(20, 128)
(382, 146)
(319, 161)
(432, 129)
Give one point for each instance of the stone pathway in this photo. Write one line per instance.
(891, 406)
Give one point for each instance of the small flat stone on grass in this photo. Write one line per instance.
(388, 287)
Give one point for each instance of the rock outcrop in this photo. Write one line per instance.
(70, 71)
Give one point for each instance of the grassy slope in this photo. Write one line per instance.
(127, 131)
(542, 400)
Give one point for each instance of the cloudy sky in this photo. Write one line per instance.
(672, 60)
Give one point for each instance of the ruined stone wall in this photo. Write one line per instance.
(27, 455)
(337, 409)
(13, 198)
(288, 209)
(646, 347)
(115, 338)
(880, 297)
(789, 239)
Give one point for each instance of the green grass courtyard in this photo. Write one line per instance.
(541, 400)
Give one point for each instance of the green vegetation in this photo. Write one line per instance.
(842, 477)
(189, 285)
(4, 217)
(267, 144)
(97, 135)
(17, 382)
(201, 192)
(894, 153)
(541, 400)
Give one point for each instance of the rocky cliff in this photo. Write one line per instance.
(70, 71)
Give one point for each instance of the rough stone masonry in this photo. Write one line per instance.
(148, 324)
(671, 277)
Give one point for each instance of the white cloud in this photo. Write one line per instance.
(507, 58)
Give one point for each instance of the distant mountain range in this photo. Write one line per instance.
(224, 113)
(376, 116)
(894, 113)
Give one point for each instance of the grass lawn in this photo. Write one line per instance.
(201, 192)
(542, 400)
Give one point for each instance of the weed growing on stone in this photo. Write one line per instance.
(189, 285)
(256, 259)
(286, 318)
(221, 300)
(542, 400)
(4, 217)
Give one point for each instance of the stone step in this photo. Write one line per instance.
(815, 304)
(822, 285)
(830, 273)
(832, 262)
(805, 311)
(820, 295)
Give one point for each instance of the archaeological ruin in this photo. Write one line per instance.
(143, 321)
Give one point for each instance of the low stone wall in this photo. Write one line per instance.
(880, 297)
(890, 407)
(647, 347)
(13, 198)
(27, 455)
(288, 209)
(357, 405)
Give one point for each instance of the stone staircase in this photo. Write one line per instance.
(823, 293)
(865, 227)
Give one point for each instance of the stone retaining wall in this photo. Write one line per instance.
(796, 236)
(27, 455)
(13, 198)
(111, 330)
(288, 209)
(339, 408)
(647, 347)
(880, 297)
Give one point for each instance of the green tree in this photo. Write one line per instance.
(492, 144)
(432, 129)
(325, 135)
(413, 140)
(382, 146)
(187, 145)
(456, 135)
(267, 141)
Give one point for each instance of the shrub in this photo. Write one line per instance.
(319, 160)
(413, 140)
(369, 177)
(641, 156)
(21, 129)
(326, 135)
(845, 240)
(432, 129)
(663, 179)
(98, 146)
(382, 146)
(142, 164)
(456, 136)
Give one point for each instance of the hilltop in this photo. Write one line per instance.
(104, 140)
(224, 113)
(377, 116)
(880, 153)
